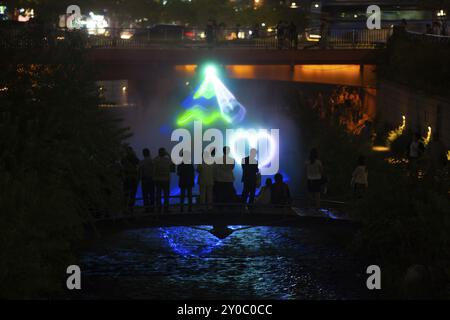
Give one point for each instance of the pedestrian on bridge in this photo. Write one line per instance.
(162, 167)
(129, 163)
(249, 176)
(186, 174)
(145, 173)
(206, 180)
(224, 178)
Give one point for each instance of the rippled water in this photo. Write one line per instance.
(253, 263)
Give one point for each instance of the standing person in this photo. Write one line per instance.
(249, 176)
(206, 180)
(414, 152)
(209, 32)
(359, 180)
(145, 173)
(265, 195)
(224, 178)
(437, 158)
(186, 174)
(162, 166)
(444, 31)
(129, 165)
(280, 193)
(324, 29)
(280, 34)
(293, 36)
(314, 175)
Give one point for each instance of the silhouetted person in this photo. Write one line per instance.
(437, 157)
(359, 180)
(293, 36)
(249, 176)
(162, 166)
(324, 29)
(280, 34)
(129, 164)
(186, 174)
(444, 31)
(209, 33)
(206, 180)
(314, 176)
(265, 194)
(280, 194)
(145, 172)
(224, 178)
(429, 29)
(416, 149)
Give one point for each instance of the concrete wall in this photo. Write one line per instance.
(421, 110)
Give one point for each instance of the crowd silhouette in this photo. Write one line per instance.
(215, 179)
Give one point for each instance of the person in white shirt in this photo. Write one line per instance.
(314, 176)
(359, 180)
(224, 178)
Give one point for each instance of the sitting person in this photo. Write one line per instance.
(280, 191)
(264, 196)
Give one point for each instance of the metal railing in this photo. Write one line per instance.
(431, 38)
(194, 38)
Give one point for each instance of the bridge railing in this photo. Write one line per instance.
(145, 38)
(426, 37)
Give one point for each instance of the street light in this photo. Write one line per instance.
(441, 13)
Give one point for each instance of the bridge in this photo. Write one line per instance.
(115, 57)
(220, 216)
(248, 58)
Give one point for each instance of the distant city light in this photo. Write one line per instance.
(394, 134)
(427, 139)
(441, 13)
(294, 5)
(380, 148)
(96, 24)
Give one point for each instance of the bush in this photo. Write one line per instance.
(58, 168)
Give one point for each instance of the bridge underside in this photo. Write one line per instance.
(340, 66)
(225, 219)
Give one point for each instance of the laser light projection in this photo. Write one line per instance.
(212, 103)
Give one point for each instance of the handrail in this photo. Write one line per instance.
(192, 37)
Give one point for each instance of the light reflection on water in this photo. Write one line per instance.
(253, 263)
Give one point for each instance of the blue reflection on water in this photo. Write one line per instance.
(186, 262)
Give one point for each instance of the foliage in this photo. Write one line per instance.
(58, 168)
(417, 62)
(404, 220)
(338, 149)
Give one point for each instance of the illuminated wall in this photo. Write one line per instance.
(341, 74)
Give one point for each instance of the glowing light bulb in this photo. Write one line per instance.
(210, 71)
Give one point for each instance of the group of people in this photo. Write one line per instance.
(215, 179)
(317, 179)
(287, 35)
(437, 28)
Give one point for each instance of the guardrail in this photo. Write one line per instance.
(185, 38)
(431, 38)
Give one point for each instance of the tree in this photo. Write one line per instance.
(58, 167)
